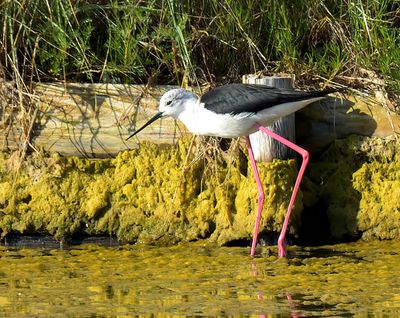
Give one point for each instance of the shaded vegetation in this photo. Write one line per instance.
(355, 183)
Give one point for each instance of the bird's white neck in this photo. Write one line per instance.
(190, 113)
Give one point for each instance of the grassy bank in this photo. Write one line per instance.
(189, 42)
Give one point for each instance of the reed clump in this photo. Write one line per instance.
(194, 41)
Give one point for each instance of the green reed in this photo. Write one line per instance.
(217, 40)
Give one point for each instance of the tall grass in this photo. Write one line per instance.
(129, 41)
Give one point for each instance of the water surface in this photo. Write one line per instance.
(355, 279)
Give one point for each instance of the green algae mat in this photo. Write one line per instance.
(358, 279)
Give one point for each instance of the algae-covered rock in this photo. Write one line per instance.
(47, 194)
(279, 178)
(163, 195)
(154, 195)
(357, 182)
(379, 211)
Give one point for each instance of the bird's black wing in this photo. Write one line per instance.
(239, 98)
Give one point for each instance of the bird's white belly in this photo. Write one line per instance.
(206, 123)
(202, 121)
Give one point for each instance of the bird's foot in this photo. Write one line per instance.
(281, 249)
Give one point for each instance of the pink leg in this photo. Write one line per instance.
(305, 155)
(260, 196)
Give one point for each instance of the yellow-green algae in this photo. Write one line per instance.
(149, 195)
(196, 279)
(160, 195)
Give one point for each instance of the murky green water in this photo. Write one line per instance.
(354, 279)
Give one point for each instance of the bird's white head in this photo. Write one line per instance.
(174, 102)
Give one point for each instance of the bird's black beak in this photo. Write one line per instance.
(152, 119)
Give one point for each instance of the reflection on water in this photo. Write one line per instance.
(194, 279)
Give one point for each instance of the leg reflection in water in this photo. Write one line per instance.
(289, 298)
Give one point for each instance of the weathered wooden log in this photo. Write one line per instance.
(264, 147)
(93, 120)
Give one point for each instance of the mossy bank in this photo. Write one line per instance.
(163, 195)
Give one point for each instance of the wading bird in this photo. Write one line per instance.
(237, 110)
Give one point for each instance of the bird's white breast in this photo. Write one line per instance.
(201, 121)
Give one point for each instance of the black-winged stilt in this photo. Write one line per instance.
(237, 110)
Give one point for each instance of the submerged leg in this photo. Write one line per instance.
(260, 196)
(305, 155)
